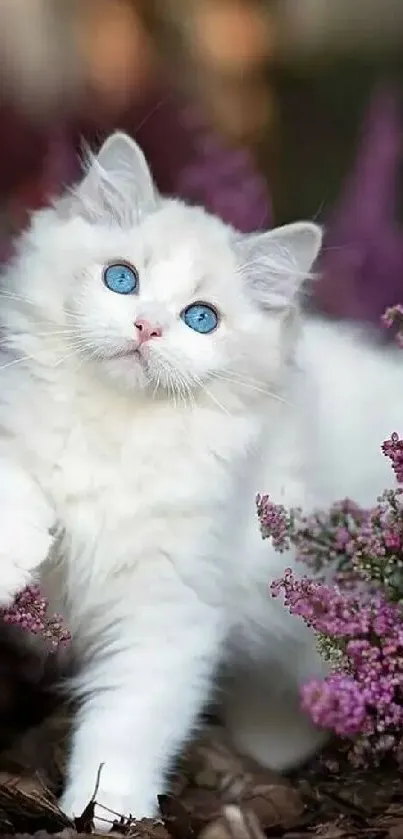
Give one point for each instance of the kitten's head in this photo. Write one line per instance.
(158, 296)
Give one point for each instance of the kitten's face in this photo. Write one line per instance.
(164, 305)
(160, 297)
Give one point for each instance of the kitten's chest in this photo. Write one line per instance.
(144, 463)
(112, 462)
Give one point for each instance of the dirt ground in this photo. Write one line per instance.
(214, 794)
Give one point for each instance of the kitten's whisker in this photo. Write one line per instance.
(240, 376)
(211, 396)
(23, 298)
(185, 389)
(18, 360)
(19, 298)
(81, 348)
(80, 362)
(156, 387)
(178, 383)
(64, 358)
(75, 316)
(250, 386)
(169, 386)
(189, 381)
(180, 386)
(173, 390)
(215, 400)
(57, 333)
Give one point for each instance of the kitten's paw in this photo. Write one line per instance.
(19, 557)
(110, 805)
(278, 735)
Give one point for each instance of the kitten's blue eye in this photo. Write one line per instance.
(201, 317)
(121, 278)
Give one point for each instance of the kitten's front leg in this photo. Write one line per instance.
(26, 520)
(145, 688)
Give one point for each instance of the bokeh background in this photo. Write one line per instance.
(262, 110)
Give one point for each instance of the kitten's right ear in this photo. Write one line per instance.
(276, 263)
(118, 184)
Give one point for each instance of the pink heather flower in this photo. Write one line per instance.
(358, 620)
(320, 538)
(393, 448)
(274, 522)
(363, 640)
(29, 611)
(329, 611)
(392, 314)
(393, 318)
(337, 704)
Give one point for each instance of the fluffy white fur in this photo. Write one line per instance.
(130, 478)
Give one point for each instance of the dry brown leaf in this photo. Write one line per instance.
(210, 757)
(331, 831)
(25, 784)
(147, 829)
(26, 805)
(234, 823)
(274, 804)
(177, 819)
(228, 778)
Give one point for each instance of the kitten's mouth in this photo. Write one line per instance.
(130, 352)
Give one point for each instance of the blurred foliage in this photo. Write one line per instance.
(289, 78)
(319, 124)
(301, 109)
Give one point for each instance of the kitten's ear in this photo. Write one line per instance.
(277, 262)
(121, 161)
(118, 183)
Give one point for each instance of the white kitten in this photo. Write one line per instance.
(144, 350)
(147, 363)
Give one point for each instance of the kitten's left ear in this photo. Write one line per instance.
(118, 183)
(277, 262)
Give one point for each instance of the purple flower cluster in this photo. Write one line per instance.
(319, 539)
(30, 611)
(358, 619)
(275, 522)
(362, 638)
(393, 319)
(393, 449)
(336, 703)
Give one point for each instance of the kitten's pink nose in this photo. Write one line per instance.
(146, 330)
